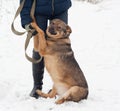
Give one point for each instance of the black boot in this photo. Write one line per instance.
(38, 70)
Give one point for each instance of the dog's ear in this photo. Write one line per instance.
(68, 30)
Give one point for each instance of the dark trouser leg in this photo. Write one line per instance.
(38, 70)
(63, 16)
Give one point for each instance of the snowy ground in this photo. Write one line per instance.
(96, 44)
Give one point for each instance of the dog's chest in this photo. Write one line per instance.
(51, 65)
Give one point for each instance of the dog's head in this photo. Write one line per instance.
(58, 29)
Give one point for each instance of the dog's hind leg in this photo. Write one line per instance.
(75, 94)
(63, 98)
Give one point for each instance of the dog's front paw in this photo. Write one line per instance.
(39, 92)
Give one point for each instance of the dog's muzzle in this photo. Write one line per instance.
(52, 31)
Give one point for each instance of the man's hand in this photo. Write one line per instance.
(29, 27)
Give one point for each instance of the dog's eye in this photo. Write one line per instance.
(59, 27)
(52, 23)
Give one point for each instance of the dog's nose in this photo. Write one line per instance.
(52, 30)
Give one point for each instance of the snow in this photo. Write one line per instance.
(95, 41)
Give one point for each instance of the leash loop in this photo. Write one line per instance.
(29, 33)
(29, 36)
(17, 13)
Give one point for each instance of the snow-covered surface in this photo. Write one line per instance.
(96, 43)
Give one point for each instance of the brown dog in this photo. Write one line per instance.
(69, 81)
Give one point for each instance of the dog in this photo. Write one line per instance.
(68, 79)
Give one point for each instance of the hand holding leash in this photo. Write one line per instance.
(29, 28)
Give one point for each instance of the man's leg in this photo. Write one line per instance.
(63, 16)
(37, 70)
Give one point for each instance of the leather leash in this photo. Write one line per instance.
(29, 33)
